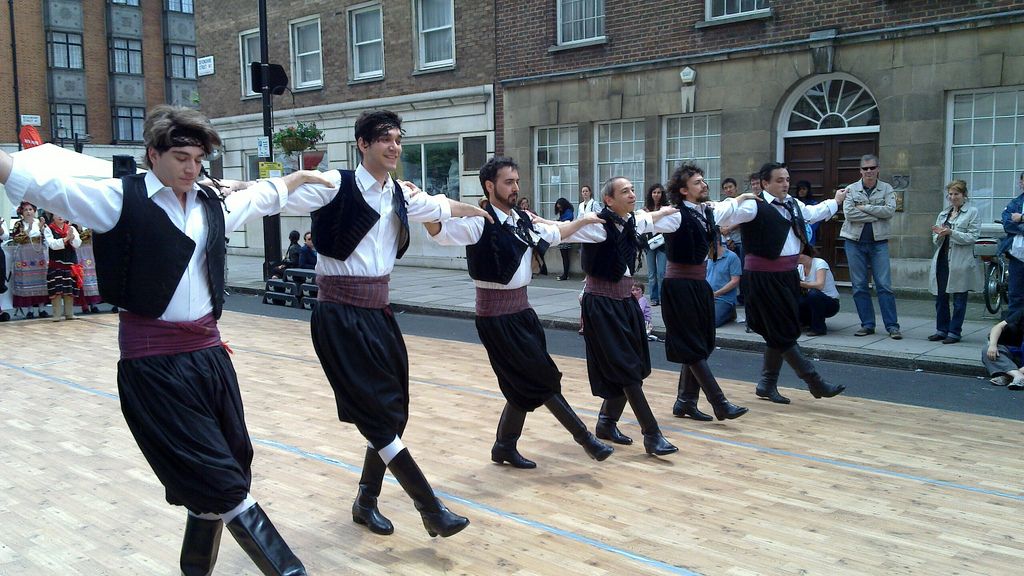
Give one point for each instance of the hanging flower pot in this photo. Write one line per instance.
(302, 136)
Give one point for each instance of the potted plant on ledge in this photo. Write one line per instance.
(302, 138)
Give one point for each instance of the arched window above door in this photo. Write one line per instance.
(835, 103)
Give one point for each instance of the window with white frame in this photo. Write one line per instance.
(558, 167)
(180, 6)
(985, 139)
(125, 56)
(366, 42)
(128, 123)
(436, 26)
(181, 61)
(620, 152)
(125, 2)
(695, 138)
(432, 166)
(66, 120)
(729, 8)
(65, 50)
(249, 48)
(307, 66)
(580, 20)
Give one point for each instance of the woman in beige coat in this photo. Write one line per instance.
(955, 271)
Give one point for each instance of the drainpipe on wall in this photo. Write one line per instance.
(14, 64)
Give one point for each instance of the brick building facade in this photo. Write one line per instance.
(89, 69)
(431, 62)
(589, 89)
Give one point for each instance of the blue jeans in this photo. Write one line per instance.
(657, 261)
(725, 312)
(949, 327)
(861, 255)
(1015, 290)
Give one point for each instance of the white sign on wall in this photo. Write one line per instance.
(31, 120)
(204, 66)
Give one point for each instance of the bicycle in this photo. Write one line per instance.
(997, 273)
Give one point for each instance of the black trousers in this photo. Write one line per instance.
(185, 413)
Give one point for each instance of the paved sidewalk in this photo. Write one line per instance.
(451, 293)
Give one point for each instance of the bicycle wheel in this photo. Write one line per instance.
(993, 293)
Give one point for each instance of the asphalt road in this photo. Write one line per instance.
(945, 392)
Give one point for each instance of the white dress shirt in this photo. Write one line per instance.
(376, 253)
(747, 211)
(54, 243)
(722, 210)
(595, 234)
(97, 204)
(467, 231)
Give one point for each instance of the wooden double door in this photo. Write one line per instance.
(828, 163)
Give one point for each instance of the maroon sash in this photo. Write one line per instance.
(139, 336)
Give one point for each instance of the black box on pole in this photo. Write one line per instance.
(124, 165)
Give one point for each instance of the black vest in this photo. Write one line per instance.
(496, 256)
(765, 235)
(67, 254)
(140, 262)
(691, 242)
(342, 224)
(608, 260)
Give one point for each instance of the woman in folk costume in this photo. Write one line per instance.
(28, 278)
(63, 274)
(4, 235)
(90, 295)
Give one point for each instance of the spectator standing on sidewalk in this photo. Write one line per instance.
(955, 270)
(1013, 225)
(820, 298)
(869, 207)
(564, 213)
(724, 273)
(654, 200)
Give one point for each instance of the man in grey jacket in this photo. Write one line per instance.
(869, 207)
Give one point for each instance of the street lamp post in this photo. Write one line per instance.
(271, 224)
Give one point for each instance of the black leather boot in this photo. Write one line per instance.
(437, 519)
(256, 535)
(567, 417)
(768, 385)
(724, 410)
(805, 370)
(364, 509)
(510, 427)
(654, 442)
(686, 399)
(200, 545)
(606, 429)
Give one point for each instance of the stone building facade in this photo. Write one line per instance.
(590, 89)
(431, 62)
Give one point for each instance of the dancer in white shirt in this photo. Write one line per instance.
(159, 243)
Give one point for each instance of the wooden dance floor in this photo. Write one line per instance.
(841, 486)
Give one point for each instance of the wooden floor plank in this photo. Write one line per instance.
(839, 486)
